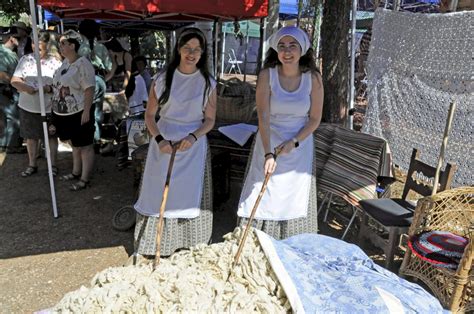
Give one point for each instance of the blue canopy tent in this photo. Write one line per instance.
(289, 9)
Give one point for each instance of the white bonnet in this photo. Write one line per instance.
(295, 32)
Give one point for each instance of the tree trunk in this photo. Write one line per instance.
(335, 55)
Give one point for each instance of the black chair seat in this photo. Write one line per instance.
(390, 212)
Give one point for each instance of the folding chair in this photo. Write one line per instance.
(233, 64)
(351, 164)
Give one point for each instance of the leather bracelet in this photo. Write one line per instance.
(159, 138)
(270, 154)
(193, 135)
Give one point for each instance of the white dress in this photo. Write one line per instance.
(181, 115)
(287, 193)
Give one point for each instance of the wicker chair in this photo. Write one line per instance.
(452, 211)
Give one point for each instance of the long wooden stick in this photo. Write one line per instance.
(162, 207)
(254, 210)
(444, 144)
(252, 215)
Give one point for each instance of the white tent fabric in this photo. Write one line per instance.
(417, 65)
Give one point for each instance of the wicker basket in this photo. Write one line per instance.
(235, 101)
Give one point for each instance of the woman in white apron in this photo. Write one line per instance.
(185, 94)
(289, 104)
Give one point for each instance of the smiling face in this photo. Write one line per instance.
(289, 50)
(190, 52)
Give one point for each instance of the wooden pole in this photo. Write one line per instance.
(162, 207)
(254, 210)
(447, 130)
(252, 215)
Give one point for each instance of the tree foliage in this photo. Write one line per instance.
(12, 9)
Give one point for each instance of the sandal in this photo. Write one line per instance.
(29, 171)
(80, 185)
(55, 170)
(70, 177)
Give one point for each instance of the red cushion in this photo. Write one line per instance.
(440, 248)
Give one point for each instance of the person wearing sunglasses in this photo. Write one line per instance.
(73, 110)
(289, 105)
(185, 95)
(26, 82)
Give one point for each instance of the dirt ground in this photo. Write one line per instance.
(42, 258)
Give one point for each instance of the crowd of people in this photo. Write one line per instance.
(180, 111)
(77, 70)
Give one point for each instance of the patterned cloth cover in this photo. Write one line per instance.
(348, 162)
(321, 274)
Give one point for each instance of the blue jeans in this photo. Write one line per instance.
(9, 122)
(98, 102)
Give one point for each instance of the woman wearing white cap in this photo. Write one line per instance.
(289, 105)
(185, 96)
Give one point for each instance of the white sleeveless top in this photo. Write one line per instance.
(287, 193)
(181, 115)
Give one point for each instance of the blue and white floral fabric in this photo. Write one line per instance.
(321, 274)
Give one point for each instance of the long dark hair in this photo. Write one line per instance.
(306, 62)
(90, 29)
(201, 65)
(130, 89)
(114, 45)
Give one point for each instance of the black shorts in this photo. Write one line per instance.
(31, 125)
(70, 128)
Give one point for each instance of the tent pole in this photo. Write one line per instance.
(263, 39)
(245, 54)
(352, 74)
(61, 26)
(447, 130)
(223, 50)
(40, 17)
(43, 108)
(396, 5)
(453, 6)
(216, 47)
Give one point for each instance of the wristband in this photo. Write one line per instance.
(193, 135)
(159, 138)
(270, 154)
(296, 142)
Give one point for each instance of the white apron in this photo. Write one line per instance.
(181, 115)
(287, 193)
